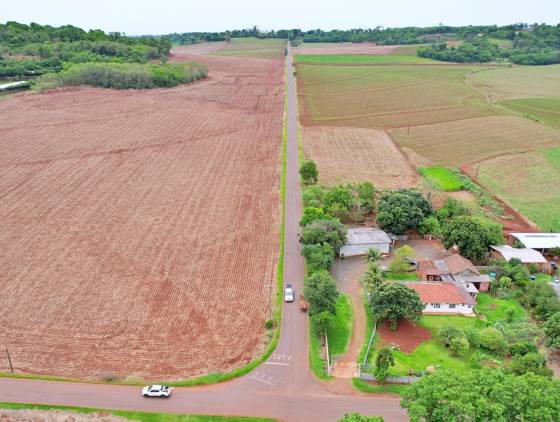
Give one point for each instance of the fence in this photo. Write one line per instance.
(366, 374)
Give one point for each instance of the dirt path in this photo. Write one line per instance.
(348, 277)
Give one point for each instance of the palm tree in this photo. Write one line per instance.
(373, 255)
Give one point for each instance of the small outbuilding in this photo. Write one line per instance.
(361, 239)
(525, 255)
(540, 241)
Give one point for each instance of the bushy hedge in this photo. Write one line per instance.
(125, 75)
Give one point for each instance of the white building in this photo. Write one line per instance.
(540, 241)
(525, 255)
(446, 298)
(361, 239)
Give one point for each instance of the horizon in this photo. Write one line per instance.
(172, 16)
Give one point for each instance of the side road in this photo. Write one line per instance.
(281, 387)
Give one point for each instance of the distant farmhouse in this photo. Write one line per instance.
(360, 240)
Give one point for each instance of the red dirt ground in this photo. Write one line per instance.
(139, 228)
(408, 336)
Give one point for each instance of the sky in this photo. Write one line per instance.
(135, 17)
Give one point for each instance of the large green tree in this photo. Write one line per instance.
(482, 395)
(321, 292)
(471, 235)
(325, 231)
(356, 417)
(393, 301)
(318, 256)
(401, 210)
(309, 172)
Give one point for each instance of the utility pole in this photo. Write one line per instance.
(477, 169)
(9, 360)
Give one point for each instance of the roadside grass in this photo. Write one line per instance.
(139, 416)
(370, 324)
(371, 387)
(412, 276)
(545, 110)
(524, 181)
(442, 177)
(360, 59)
(339, 336)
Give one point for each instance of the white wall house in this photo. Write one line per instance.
(360, 240)
(445, 298)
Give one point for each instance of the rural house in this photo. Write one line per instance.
(445, 298)
(527, 256)
(455, 269)
(361, 239)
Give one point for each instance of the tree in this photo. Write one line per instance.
(373, 277)
(373, 255)
(321, 292)
(459, 346)
(531, 362)
(449, 332)
(383, 361)
(309, 172)
(356, 417)
(401, 261)
(393, 301)
(401, 210)
(366, 192)
(482, 395)
(471, 236)
(552, 331)
(325, 231)
(318, 256)
(311, 214)
(429, 226)
(322, 322)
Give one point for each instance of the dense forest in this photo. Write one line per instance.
(536, 44)
(27, 50)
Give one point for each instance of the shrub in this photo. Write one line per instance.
(383, 361)
(318, 256)
(449, 332)
(459, 346)
(552, 331)
(311, 214)
(531, 362)
(492, 340)
(522, 348)
(429, 226)
(325, 231)
(309, 172)
(313, 196)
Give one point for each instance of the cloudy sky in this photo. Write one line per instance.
(164, 16)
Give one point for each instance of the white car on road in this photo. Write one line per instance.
(162, 391)
(289, 293)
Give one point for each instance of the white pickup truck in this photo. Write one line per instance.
(162, 391)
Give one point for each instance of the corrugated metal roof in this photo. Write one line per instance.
(366, 236)
(539, 240)
(525, 255)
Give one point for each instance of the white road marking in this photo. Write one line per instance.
(277, 363)
(262, 378)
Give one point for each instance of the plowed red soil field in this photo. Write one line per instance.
(344, 48)
(138, 229)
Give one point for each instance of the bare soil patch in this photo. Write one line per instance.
(407, 336)
(355, 155)
(345, 48)
(138, 228)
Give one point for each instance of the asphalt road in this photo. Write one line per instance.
(282, 387)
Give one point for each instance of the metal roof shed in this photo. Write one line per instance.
(525, 255)
(360, 240)
(538, 240)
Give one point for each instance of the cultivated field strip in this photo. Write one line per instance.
(137, 229)
(356, 155)
(466, 141)
(344, 48)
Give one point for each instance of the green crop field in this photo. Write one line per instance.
(407, 50)
(518, 82)
(268, 48)
(546, 110)
(355, 59)
(387, 96)
(528, 183)
(465, 141)
(443, 178)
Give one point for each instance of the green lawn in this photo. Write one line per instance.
(546, 110)
(401, 276)
(139, 416)
(330, 59)
(339, 337)
(443, 178)
(370, 387)
(495, 309)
